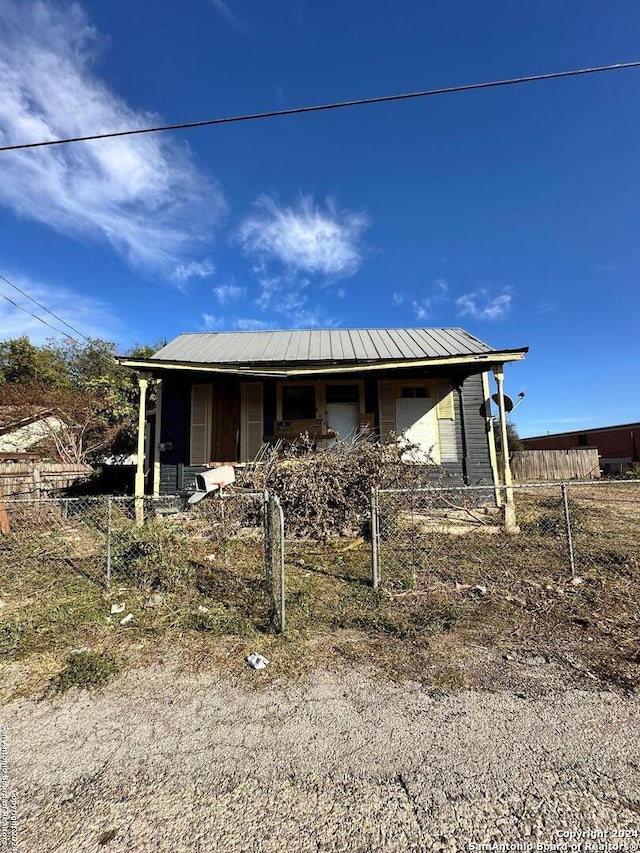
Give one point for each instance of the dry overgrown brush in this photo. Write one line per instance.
(327, 493)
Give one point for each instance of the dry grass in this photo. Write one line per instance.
(204, 603)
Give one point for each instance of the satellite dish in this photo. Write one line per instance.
(508, 402)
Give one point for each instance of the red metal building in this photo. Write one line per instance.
(618, 446)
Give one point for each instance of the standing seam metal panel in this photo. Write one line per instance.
(323, 344)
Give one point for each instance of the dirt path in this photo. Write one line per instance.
(162, 761)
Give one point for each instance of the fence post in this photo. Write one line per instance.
(281, 561)
(276, 586)
(223, 525)
(109, 520)
(567, 524)
(374, 538)
(266, 533)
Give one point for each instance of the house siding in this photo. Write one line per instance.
(177, 476)
(479, 469)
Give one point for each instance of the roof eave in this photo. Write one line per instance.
(280, 370)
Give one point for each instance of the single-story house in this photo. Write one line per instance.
(221, 396)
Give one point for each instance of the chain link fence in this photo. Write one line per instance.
(219, 565)
(201, 566)
(424, 535)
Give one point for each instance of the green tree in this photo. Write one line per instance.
(80, 384)
(22, 361)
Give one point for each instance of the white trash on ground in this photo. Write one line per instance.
(256, 661)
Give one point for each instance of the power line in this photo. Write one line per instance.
(35, 316)
(44, 307)
(493, 84)
(108, 358)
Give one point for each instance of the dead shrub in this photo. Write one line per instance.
(327, 493)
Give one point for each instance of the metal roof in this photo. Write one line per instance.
(320, 345)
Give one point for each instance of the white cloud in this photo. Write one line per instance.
(246, 324)
(287, 297)
(398, 298)
(421, 308)
(231, 17)
(91, 317)
(193, 269)
(306, 238)
(216, 322)
(212, 322)
(142, 195)
(482, 306)
(312, 318)
(438, 294)
(228, 293)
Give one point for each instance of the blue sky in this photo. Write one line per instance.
(512, 212)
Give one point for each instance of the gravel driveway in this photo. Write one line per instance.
(163, 761)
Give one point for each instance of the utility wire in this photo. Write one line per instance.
(382, 99)
(108, 358)
(44, 308)
(35, 316)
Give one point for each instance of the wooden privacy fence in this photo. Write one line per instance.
(578, 463)
(39, 479)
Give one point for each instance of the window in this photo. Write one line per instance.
(414, 391)
(298, 402)
(343, 394)
(582, 440)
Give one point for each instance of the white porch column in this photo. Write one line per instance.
(143, 382)
(510, 525)
(156, 455)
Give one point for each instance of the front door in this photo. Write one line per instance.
(416, 424)
(343, 419)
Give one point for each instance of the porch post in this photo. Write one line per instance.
(156, 455)
(143, 381)
(510, 525)
(491, 437)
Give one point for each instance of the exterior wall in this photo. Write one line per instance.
(178, 478)
(478, 462)
(473, 465)
(175, 473)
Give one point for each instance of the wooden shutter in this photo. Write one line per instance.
(200, 424)
(445, 400)
(251, 420)
(386, 408)
(446, 423)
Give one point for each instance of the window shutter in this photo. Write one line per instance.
(252, 428)
(445, 400)
(446, 423)
(386, 408)
(448, 443)
(200, 424)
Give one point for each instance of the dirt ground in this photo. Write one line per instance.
(162, 759)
